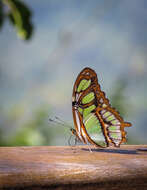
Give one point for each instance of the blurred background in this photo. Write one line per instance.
(43, 47)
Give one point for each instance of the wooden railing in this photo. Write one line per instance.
(76, 168)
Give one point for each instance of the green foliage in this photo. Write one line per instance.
(118, 99)
(19, 16)
(1, 15)
(27, 136)
(2, 142)
(22, 129)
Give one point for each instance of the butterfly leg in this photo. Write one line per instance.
(76, 140)
(69, 140)
(89, 149)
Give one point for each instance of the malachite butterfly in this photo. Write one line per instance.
(96, 122)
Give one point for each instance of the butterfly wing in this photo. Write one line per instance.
(95, 120)
(83, 103)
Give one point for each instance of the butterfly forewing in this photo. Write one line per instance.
(81, 100)
(95, 120)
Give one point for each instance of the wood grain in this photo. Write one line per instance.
(73, 167)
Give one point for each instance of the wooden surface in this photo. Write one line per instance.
(73, 168)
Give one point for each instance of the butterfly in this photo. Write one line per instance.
(95, 120)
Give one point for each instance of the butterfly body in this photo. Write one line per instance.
(96, 122)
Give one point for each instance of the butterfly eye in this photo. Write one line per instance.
(74, 103)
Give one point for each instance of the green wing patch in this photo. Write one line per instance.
(88, 110)
(84, 84)
(88, 98)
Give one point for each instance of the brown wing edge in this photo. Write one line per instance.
(86, 73)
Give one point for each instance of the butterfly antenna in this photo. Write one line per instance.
(63, 122)
(59, 123)
(54, 121)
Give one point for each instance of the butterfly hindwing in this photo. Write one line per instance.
(95, 130)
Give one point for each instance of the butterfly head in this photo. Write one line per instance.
(74, 103)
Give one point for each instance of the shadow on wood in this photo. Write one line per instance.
(73, 168)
